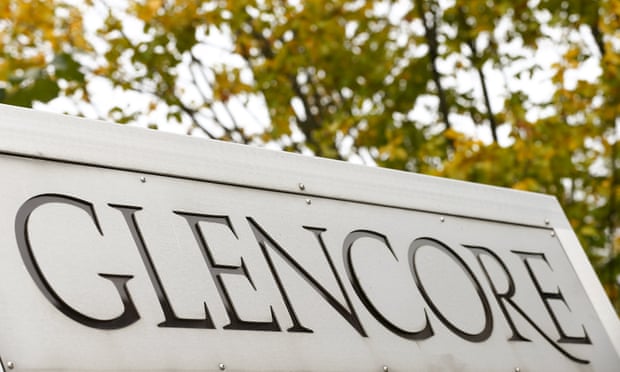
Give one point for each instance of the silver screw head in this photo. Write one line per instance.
(517, 369)
(385, 369)
(301, 186)
(547, 222)
(552, 234)
(10, 364)
(308, 201)
(221, 366)
(442, 219)
(143, 179)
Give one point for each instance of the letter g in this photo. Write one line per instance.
(129, 315)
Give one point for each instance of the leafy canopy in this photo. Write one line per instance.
(515, 93)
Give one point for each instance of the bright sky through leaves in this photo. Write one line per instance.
(522, 94)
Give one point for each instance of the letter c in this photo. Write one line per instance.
(352, 237)
(129, 315)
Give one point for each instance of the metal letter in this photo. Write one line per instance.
(347, 246)
(546, 296)
(265, 240)
(217, 270)
(485, 333)
(129, 314)
(507, 298)
(172, 320)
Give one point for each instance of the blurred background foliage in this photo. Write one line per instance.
(514, 93)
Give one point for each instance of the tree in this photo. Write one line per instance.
(572, 151)
(384, 82)
(39, 43)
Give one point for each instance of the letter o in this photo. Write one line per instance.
(485, 333)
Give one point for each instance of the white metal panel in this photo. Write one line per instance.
(72, 139)
(250, 191)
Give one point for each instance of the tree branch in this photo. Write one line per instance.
(430, 34)
(475, 58)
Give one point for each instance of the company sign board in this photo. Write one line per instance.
(126, 249)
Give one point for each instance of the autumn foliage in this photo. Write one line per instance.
(515, 93)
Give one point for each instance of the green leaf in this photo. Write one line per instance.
(67, 68)
(43, 89)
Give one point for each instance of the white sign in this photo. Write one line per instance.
(124, 249)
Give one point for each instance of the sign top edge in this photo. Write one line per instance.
(57, 137)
